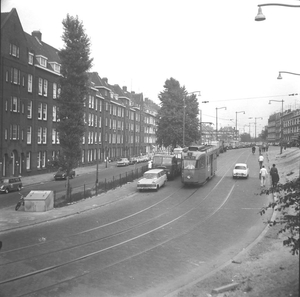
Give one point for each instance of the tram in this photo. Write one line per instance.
(199, 164)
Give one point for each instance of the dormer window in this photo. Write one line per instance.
(55, 66)
(42, 60)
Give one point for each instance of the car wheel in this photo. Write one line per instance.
(157, 187)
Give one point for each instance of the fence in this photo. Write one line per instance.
(89, 190)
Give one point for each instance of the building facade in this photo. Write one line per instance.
(118, 123)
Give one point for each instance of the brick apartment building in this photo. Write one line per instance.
(118, 123)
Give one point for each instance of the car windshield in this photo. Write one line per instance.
(122, 160)
(240, 167)
(4, 181)
(150, 175)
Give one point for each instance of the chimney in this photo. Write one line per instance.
(105, 80)
(124, 88)
(37, 34)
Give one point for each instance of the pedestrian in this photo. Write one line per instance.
(274, 175)
(263, 173)
(260, 160)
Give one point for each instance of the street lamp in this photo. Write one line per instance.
(280, 77)
(236, 122)
(217, 119)
(261, 17)
(281, 123)
(183, 128)
(256, 118)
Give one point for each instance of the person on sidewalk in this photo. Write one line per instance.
(260, 160)
(263, 173)
(274, 175)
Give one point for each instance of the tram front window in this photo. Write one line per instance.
(189, 164)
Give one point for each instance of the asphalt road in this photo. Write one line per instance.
(148, 244)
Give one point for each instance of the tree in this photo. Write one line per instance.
(287, 203)
(75, 63)
(170, 116)
(245, 137)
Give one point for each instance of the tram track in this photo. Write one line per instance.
(96, 250)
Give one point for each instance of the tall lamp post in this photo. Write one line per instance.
(261, 17)
(183, 128)
(236, 121)
(281, 122)
(217, 119)
(256, 118)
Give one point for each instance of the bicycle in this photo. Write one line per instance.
(20, 202)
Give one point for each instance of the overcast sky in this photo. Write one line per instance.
(214, 47)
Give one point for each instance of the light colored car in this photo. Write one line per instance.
(240, 170)
(152, 180)
(122, 162)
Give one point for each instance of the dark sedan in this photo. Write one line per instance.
(62, 174)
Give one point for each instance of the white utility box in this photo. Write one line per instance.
(39, 201)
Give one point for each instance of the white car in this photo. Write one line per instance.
(152, 180)
(240, 170)
(122, 162)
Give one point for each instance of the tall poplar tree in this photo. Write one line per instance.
(75, 62)
(174, 100)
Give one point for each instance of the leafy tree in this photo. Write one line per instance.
(170, 116)
(245, 137)
(264, 135)
(287, 203)
(75, 63)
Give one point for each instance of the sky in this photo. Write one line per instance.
(214, 47)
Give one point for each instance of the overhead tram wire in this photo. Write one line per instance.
(248, 98)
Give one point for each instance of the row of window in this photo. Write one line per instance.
(14, 51)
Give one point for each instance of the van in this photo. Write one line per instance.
(8, 184)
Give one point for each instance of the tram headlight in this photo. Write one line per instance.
(188, 177)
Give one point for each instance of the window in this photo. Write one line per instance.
(45, 112)
(29, 109)
(42, 60)
(44, 139)
(14, 104)
(39, 111)
(28, 134)
(40, 86)
(54, 90)
(54, 113)
(53, 136)
(29, 89)
(15, 132)
(28, 160)
(14, 50)
(39, 135)
(30, 58)
(43, 159)
(45, 88)
(15, 76)
(39, 158)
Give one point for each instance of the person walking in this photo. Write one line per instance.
(274, 175)
(260, 160)
(263, 173)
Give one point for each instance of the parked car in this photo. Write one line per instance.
(122, 162)
(152, 180)
(62, 174)
(240, 170)
(8, 184)
(132, 160)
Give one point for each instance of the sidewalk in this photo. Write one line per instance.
(11, 219)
